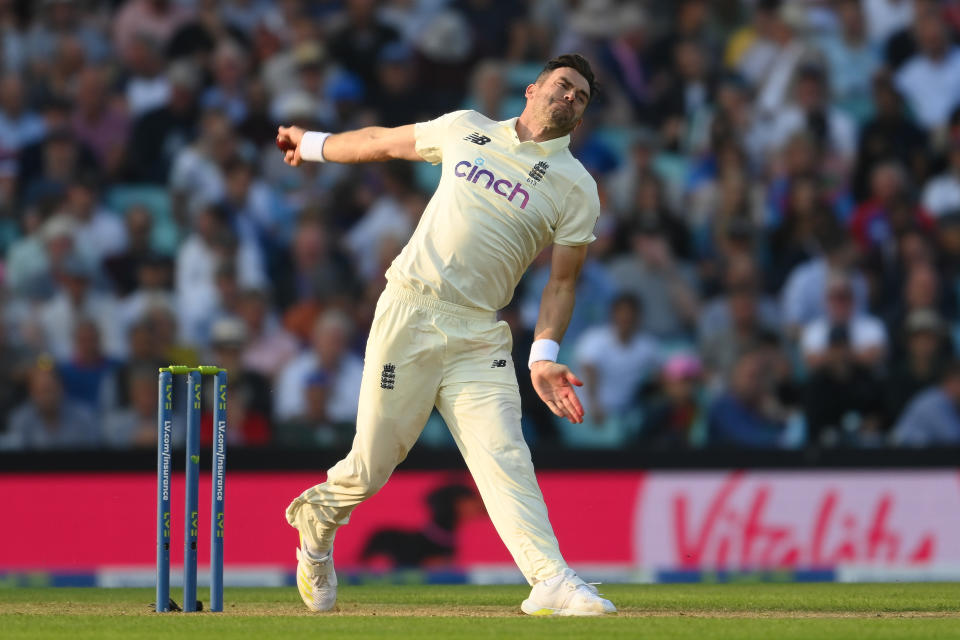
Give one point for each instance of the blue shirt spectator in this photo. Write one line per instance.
(742, 417)
(933, 417)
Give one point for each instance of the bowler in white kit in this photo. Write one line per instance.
(508, 190)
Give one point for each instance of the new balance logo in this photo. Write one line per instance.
(389, 376)
(477, 138)
(537, 172)
(498, 364)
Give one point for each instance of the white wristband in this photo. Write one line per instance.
(311, 145)
(543, 349)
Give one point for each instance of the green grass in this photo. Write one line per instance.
(778, 611)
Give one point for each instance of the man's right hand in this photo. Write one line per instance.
(554, 383)
(288, 140)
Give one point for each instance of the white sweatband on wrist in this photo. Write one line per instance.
(311, 145)
(543, 349)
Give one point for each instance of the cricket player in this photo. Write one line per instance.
(508, 189)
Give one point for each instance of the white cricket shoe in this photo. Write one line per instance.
(569, 596)
(316, 581)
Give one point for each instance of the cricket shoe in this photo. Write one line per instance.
(566, 595)
(316, 581)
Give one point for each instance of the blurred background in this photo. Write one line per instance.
(775, 281)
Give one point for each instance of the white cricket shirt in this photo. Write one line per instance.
(499, 203)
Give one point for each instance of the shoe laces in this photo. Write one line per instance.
(577, 583)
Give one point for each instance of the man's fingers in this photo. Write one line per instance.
(571, 412)
(573, 379)
(554, 407)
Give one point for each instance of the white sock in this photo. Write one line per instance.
(552, 580)
(314, 555)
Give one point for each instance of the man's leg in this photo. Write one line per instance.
(401, 374)
(484, 419)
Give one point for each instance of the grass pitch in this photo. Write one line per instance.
(780, 611)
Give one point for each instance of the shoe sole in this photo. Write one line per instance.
(533, 609)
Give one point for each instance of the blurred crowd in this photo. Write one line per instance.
(777, 262)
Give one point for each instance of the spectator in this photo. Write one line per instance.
(942, 194)
(394, 95)
(769, 62)
(922, 290)
(664, 286)
(76, 299)
(123, 267)
(886, 17)
(689, 85)
(624, 57)
(34, 259)
(735, 323)
(196, 176)
(811, 111)
(748, 415)
(99, 233)
(267, 346)
(101, 119)
(19, 126)
(927, 353)
(329, 355)
(315, 269)
(212, 245)
(249, 401)
(889, 135)
(156, 19)
(615, 360)
(852, 59)
(933, 417)
(135, 425)
(888, 211)
(146, 87)
(843, 399)
(154, 287)
(359, 38)
(936, 64)
(48, 420)
(89, 377)
(676, 418)
(227, 93)
(159, 135)
(802, 297)
(864, 334)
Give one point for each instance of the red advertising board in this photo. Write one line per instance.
(647, 523)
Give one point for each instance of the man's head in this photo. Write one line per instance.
(625, 313)
(950, 381)
(46, 392)
(840, 302)
(561, 93)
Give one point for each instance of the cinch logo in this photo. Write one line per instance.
(499, 186)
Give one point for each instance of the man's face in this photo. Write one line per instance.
(559, 99)
(840, 304)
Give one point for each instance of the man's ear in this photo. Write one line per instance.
(530, 90)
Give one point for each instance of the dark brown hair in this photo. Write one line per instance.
(576, 62)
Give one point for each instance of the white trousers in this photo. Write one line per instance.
(423, 352)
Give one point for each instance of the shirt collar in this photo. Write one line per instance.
(547, 146)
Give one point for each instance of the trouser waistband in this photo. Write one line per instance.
(430, 302)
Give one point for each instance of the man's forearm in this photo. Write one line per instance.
(351, 147)
(556, 307)
(370, 144)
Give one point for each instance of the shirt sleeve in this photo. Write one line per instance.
(431, 135)
(581, 210)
